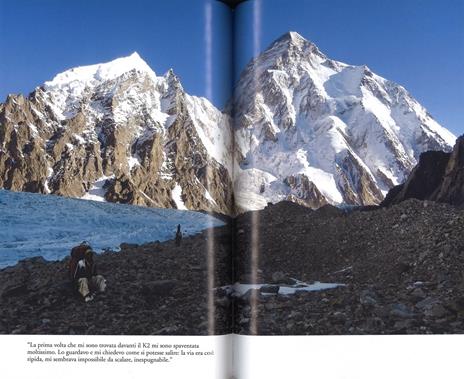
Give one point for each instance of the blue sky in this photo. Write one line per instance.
(40, 38)
(417, 43)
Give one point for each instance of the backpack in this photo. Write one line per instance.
(77, 254)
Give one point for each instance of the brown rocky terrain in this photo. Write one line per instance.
(158, 288)
(402, 268)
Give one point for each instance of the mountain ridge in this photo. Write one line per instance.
(117, 132)
(306, 129)
(349, 134)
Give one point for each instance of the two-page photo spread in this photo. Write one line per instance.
(215, 175)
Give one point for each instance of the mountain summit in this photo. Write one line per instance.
(117, 132)
(294, 40)
(315, 131)
(100, 72)
(307, 129)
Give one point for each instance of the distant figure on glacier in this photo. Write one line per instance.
(178, 236)
(83, 272)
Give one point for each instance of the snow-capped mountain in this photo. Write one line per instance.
(118, 132)
(316, 131)
(306, 128)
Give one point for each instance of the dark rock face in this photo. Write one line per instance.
(306, 193)
(452, 188)
(157, 288)
(438, 176)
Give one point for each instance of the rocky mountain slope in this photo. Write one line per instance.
(438, 176)
(314, 130)
(118, 132)
(306, 128)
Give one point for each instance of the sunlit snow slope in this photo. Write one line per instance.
(314, 130)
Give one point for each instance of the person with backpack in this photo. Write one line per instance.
(83, 272)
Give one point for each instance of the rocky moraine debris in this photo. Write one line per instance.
(403, 269)
(157, 288)
(382, 271)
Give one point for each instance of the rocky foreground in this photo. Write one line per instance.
(403, 270)
(157, 288)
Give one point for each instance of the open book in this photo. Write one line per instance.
(227, 171)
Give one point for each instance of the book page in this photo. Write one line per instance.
(115, 187)
(347, 183)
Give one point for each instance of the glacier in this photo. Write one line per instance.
(49, 226)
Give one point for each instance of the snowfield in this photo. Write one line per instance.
(49, 226)
(240, 289)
